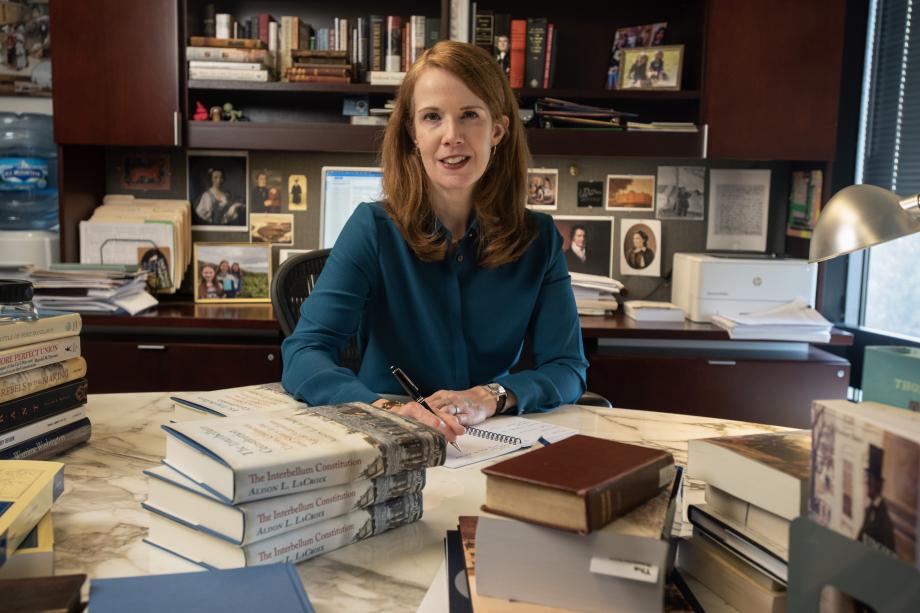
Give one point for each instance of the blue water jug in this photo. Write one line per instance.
(28, 172)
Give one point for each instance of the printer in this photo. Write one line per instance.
(706, 284)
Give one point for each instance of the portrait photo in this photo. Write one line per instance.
(679, 194)
(587, 243)
(640, 247)
(542, 184)
(232, 272)
(145, 172)
(651, 67)
(265, 191)
(630, 193)
(217, 189)
(274, 228)
(297, 193)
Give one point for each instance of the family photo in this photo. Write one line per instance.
(587, 243)
(234, 272)
(651, 67)
(217, 190)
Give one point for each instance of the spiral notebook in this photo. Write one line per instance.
(502, 435)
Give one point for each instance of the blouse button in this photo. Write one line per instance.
(459, 258)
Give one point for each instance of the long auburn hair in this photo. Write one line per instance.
(498, 198)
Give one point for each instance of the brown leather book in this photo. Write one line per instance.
(579, 484)
(60, 594)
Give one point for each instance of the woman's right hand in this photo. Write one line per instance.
(443, 423)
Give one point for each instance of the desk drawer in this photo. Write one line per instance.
(770, 391)
(149, 366)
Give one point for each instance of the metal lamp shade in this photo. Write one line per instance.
(860, 216)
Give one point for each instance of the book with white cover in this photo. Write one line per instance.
(228, 74)
(295, 546)
(250, 458)
(171, 493)
(42, 426)
(48, 326)
(235, 401)
(762, 525)
(649, 310)
(26, 357)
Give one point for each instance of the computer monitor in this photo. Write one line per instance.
(344, 188)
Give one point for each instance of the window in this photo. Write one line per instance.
(889, 156)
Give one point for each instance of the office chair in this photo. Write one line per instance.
(296, 278)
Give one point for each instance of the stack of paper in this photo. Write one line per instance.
(153, 234)
(595, 294)
(793, 321)
(87, 288)
(650, 310)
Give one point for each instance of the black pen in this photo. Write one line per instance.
(415, 395)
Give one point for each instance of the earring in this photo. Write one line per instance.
(493, 150)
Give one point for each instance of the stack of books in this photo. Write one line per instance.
(287, 485)
(42, 387)
(229, 59)
(755, 486)
(599, 506)
(28, 489)
(312, 66)
(595, 294)
(555, 113)
(794, 321)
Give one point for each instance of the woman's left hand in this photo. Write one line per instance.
(470, 407)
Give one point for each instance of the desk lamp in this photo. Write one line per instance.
(860, 216)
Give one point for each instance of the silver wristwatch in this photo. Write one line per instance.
(500, 394)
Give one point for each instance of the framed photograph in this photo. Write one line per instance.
(25, 64)
(652, 67)
(590, 194)
(680, 192)
(267, 187)
(542, 185)
(274, 228)
(217, 189)
(145, 172)
(297, 193)
(587, 243)
(630, 193)
(640, 247)
(649, 35)
(233, 272)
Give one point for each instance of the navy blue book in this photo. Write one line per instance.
(274, 587)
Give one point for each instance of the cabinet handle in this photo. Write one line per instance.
(721, 362)
(177, 128)
(271, 357)
(705, 140)
(151, 347)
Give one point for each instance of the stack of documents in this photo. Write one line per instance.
(651, 310)
(86, 288)
(793, 321)
(595, 294)
(153, 234)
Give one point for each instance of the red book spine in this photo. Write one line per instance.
(518, 45)
(549, 54)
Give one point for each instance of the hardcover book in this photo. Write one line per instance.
(21, 412)
(26, 357)
(27, 490)
(376, 44)
(276, 588)
(237, 43)
(250, 458)
(536, 51)
(35, 555)
(221, 54)
(49, 325)
(172, 494)
(22, 384)
(761, 525)
(225, 74)
(865, 483)
(50, 444)
(43, 426)
(295, 546)
(579, 484)
(768, 470)
(235, 401)
(518, 52)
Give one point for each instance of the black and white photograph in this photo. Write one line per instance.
(232, 272)
(640, 247)
(542, 187)
(630, 193)
(587, 243)
(218, 189)
(680, 193)
(590, 194)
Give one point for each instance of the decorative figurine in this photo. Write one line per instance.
(215, 113)
(231, 114)
(201, 113)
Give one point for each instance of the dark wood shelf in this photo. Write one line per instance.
(190, 315)
(610, 94)
(346, 138)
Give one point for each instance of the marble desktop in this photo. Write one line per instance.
(99, 523)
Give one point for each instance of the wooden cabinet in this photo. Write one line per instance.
(116, 72)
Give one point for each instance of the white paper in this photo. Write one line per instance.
(437, 598)
(739, 202)
(476, 449)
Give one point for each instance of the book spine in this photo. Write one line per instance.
(31, 381)
(284, 47)
(264, 19)
(40, 405)
(209, 54)
(536, 51)
(393, 58)
(432, 31)
(24, 358)
(299, 545)
(406, 39)
(554, 41)
(42, 426)
(18, 333)
(518, 51)
(238, 43)
(376, 43)
(484, 29)
(620, 496)
(294, 77)
(50, 444)
(245, 66)
(326, 71)
(273, 40)
(275, 516)
(550, 31)
(228, 75)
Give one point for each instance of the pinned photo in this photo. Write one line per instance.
(542, 185)
(680, 192)
(590, 194)
(297, 193)
(145, 172)
(232, 272)
(587, 243)
(640, 247)
(630, 193)
(274, 228)
(217, 187)
(267, 186)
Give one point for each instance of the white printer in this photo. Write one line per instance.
(707, 284)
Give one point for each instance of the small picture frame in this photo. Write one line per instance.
(274, 228)
(640, 247)
(218, 186)
(587, 243)
(543, 188)
(146, 172)
(233, 272)
(652, 67)
(634, 193)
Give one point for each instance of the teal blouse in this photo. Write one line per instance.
(449, 324)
